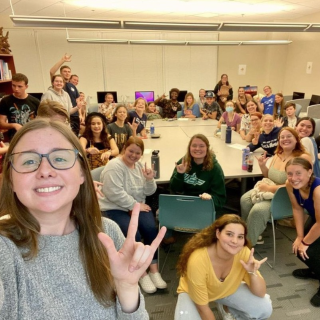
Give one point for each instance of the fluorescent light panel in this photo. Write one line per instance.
(62, 22)
(264, 27)
(178, 42)
(171, 26)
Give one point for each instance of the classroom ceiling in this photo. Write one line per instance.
(203, 11)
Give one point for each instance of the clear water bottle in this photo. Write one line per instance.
(228, 134)
(245, 156)
(152, 128)
(155, 163)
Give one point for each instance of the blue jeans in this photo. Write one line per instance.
(146, 226)
(242, 305)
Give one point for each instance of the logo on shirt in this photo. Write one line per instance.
(193, 179)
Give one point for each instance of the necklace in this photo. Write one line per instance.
(302, 201)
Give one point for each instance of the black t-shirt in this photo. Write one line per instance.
(73, 94)
(19, 110)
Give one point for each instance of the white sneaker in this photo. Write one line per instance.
(157, 280)
(225, 315)
(147, 285)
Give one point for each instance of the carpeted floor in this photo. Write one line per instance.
(290, 296)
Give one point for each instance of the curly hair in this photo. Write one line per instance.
(208, 160)
(207, 237)
(298, 150)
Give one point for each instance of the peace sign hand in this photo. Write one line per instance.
(147, 172)
(263, 159)
(131, 261)
(252, 264)
(182, 167)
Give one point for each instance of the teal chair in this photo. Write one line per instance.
(281, 208)
(179, 114)
(185, 213)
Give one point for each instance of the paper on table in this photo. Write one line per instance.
(236, 146)
(183, 119)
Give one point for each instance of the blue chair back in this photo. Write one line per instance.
(280, 205)
(185, 213)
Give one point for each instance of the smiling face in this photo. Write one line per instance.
(74, 80)
(57, 83)
(189, 100)
(152, 107)
(121, 113)
(66, 74)
(108, 99)
(131, 155)
(267, 122)
(287, 140)
(251, 107)
(231, 239)
(278, 99)
(267, 90)
(174, 95)
(202, 93)
(46, 190)
(298, 176)
(140, 105)
(96, 125)
(198, 150)
(304, 128)
(224, 79)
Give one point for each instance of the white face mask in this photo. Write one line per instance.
(229, 109)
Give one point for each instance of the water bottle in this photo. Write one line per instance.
(245, 156)
(152, 128)
(223, 132)
(228, 134)
(155, 163)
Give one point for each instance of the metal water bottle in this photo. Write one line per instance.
(228, 134)
(155, 163)
(151, 128)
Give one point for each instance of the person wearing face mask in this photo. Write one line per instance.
(230, 117)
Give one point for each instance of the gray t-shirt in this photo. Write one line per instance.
(53, 285)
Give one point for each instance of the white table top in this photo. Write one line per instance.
(173, 144)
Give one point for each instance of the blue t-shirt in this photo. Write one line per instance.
(268, 103)
(195, 111)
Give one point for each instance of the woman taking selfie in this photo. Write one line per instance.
(304, 193)
(55, 261)
(218, 265)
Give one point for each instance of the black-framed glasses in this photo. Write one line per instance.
(29, 161)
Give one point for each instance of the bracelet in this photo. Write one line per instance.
(252, 273)
(305, 244)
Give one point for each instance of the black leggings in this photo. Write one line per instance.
(313, 251)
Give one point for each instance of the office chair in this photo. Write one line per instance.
(185, 214)
(298, 109)
(314, 111)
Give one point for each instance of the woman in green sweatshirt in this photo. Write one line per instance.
(198, 173)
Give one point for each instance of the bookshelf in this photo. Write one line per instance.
(5, 85)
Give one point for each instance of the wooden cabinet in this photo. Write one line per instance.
(5, 85)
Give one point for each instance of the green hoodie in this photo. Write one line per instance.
(198, 181)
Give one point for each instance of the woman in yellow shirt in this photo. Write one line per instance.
(217, 265)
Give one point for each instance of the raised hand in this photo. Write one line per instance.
(263, 159)
(278, 122)
(131, 261)
(97, 188)
(134, 125)
(147, 172)
(66, 58)
(252, 265)
(182, 167)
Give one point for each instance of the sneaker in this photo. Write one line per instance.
(157, 280)
(260, 240)
(147, 285)
(315, 300)
(225, 315)
(304, 274)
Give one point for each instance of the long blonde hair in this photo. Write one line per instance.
(23, 229)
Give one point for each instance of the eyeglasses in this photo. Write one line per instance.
(60, 159)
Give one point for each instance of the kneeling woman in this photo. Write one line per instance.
(125, 183)
(304, 193)
(217, 265)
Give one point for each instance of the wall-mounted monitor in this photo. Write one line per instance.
(314, 100)
(181, 95)
(37, 95)
(101, 96)
(252, 90)
(147, 95)
(297, 95)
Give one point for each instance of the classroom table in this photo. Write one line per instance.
(174, 138)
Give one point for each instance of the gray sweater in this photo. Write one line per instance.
(53, 285)
(124, 187)
(63, 99)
